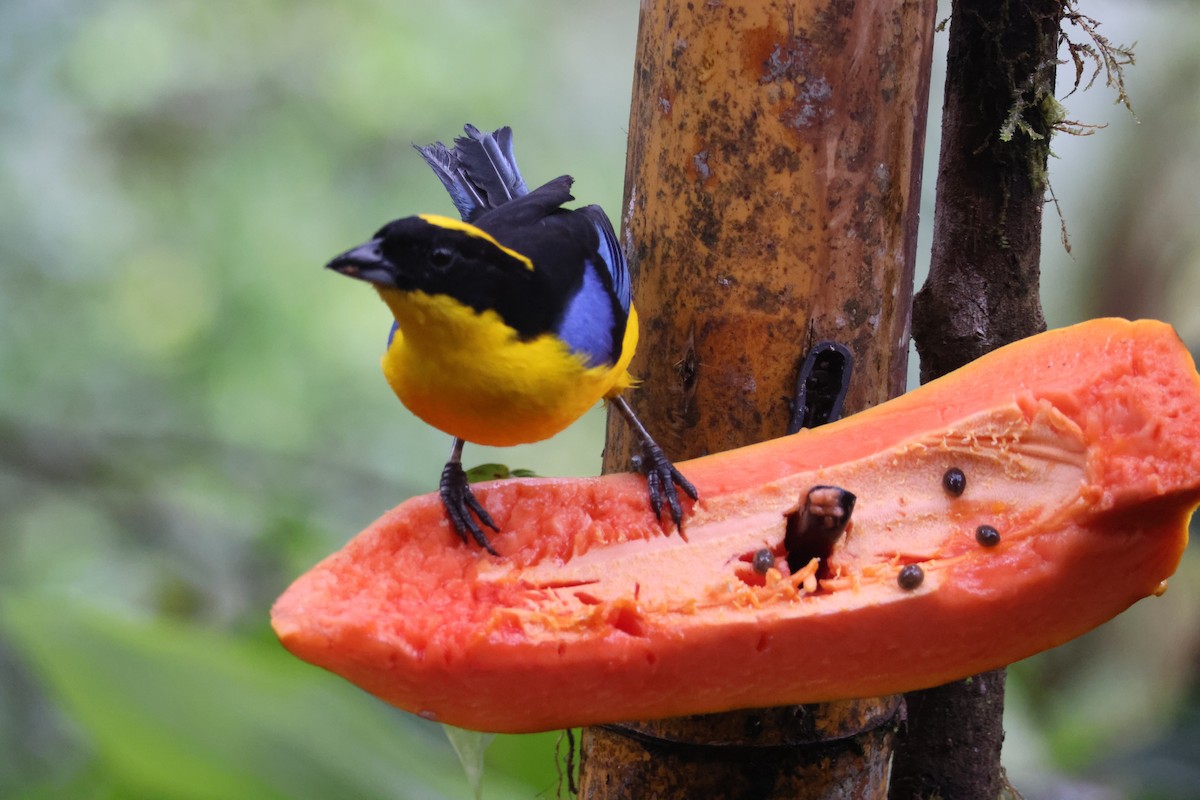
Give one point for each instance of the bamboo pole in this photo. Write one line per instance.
(772, 184)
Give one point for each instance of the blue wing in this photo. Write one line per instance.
(611, 254)
(589, 319)
(594, 320)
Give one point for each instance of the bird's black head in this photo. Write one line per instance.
(443, 256)
(437, 255)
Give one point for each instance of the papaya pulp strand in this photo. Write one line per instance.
(1080, 458)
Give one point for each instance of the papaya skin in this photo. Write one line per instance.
(1079, 446)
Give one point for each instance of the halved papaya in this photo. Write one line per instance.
(1025, 499)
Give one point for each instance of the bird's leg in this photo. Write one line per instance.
(460, 502)
(661, 475)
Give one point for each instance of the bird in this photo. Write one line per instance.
(509, 322)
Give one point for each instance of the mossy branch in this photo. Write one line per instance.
(1096, 51)
(1034, 99)
(1035, 108)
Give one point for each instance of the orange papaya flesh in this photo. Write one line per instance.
(1080, 446)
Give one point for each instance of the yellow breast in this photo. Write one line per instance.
(468, 374)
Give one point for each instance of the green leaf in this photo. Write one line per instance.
(181, 712)
(494, 472)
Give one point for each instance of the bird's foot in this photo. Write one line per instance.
(463, 508)
(661, 480)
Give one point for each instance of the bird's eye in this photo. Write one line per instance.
(441, 257)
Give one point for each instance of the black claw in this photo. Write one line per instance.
(661, 475)
(654, 486)
(661, 481)
(461, 503)
(684, 483)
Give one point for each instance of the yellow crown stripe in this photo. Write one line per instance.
(471, 230)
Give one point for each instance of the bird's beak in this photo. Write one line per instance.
(367, 263)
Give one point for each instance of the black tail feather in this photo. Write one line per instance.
(480, 172)
(463, 193)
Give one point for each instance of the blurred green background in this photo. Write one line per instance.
(191, 412)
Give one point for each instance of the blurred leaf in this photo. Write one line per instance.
(180, 712)
(470, 747)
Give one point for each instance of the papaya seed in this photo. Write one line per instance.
(910, 577)
(763, 560)
(954, 481)
(987, 536)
